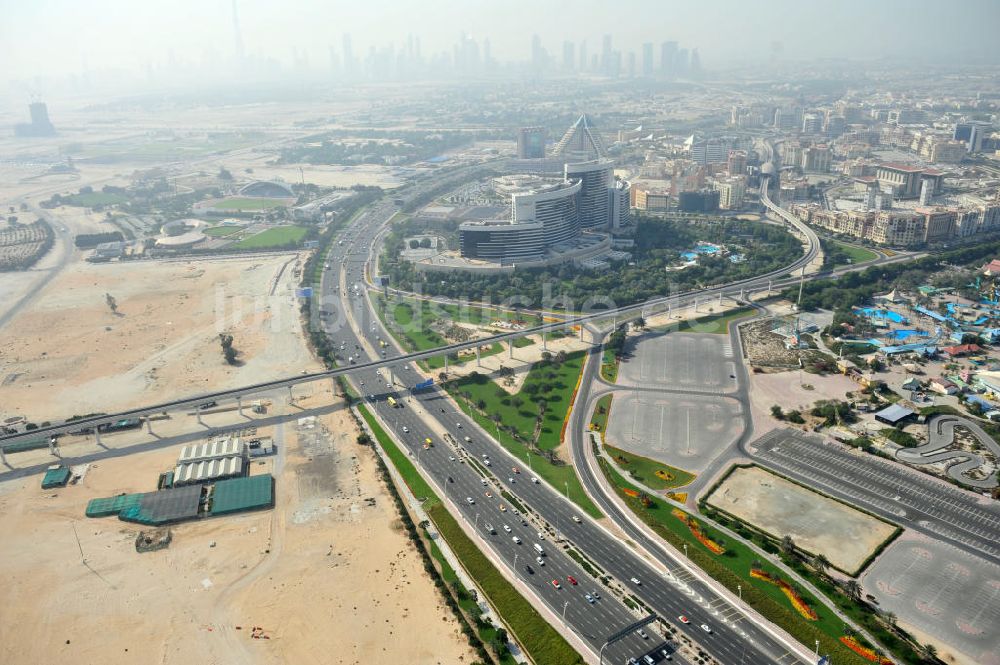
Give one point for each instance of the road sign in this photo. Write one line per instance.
(306, 292)
(423, 385)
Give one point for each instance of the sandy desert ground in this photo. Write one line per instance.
(69, 354)
(329, 575)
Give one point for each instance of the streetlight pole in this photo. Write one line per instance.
(476, 528)
(565, 605)
(567, 490)
(817, 649)
(686, 550)
(739, 590)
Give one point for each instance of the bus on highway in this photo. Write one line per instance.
(392, 401)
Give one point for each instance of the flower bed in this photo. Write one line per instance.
(713, 547)
(793, 596)
(630, 492)
(864, 652)
(662, 474)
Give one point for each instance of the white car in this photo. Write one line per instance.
(406, 430)
(540, 561)
(534, 480)
(705, 627)
(576, 519)
(517, 541)
(470, 500)
(635, 581)
(451, 458)
(506, 528)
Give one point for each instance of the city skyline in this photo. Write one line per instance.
(161, 36)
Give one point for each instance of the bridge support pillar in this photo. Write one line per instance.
(581, 332)
(720, 297)
(768, 288)
(97, 436)
(149, 425)
(52, 445)
(742, 292)
(291, 397)
(479, 360)
(670, 311)
(239, 405)
(544, 345)
(510, 348)
(446, 363)
(333, 386)
(3, 456)
(200, 421)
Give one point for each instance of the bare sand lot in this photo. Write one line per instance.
(68, 353)
(817, 524)
(328, 574)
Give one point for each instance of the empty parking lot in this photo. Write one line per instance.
(696, 362)
(907, 497)
(946, 593)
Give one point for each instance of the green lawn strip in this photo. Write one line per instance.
(643, 469)
(560, 477)
(602, 410)
(530, 629)
(276, 237)
(521, 342)
(609, 366)
(732, 569)
(857, 254)
(540, 640)
(512, 500)
(717, 324)
(487, 631)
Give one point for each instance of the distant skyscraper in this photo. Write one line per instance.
(606, 54)
(584, 65)
(647, 59)
(569, 56)
(487, 56)
(668, 57)
(695, 66)
(348, 55)
(40, 124)
(237, 34)
(596, 178)
(681, 63)
(531, 143)
(537, 54)
(631, 65)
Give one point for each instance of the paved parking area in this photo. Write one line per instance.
(942, 591)
(908, 497)
(681, 361)
(686, 431)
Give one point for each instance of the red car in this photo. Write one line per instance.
(555, 583)
(683, 619)
(571, 580)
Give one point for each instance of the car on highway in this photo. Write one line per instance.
(503, 508)
(534, 480)
(576, 519)
(705, 627)
(486, 462)
(489, 528)
(517, 541)
(406, 430)
(571, 580)
(635, 581)
(470, 500)
(556, 584)
(666, 654)
(458, 425)
(515, 469)
(683, 619)
(468, 439)
(506, 528)
(528, 569)
(590, 599)
(541, 536)
(648, 660)
(451, 458)
(540, 561)
(488, 495)
(641, 633)
(596, 595)
(510, 480)
(631, 661)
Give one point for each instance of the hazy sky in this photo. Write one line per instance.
(59, 36)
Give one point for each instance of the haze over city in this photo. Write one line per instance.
(500, 333)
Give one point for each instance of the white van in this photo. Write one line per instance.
(539, 549)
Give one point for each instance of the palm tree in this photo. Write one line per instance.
(852, 589)
(788, 546)
(889, 618)
(820, 563)
(929, 653)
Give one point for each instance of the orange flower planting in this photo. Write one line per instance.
(864, 651)
(793, 597)
(631, 493)
(713, 547)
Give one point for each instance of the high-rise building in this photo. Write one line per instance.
(731, 192)
(350, 66)
(812, 123)
(621, 213)
(580, 143)
(737, 163)
(584, 65)
(714, 150)
(816, 159)
(694, 68)
(40, 124)
(531, 143)
(569, 56)
(668, 56)
(606, 55)
(647, 59)
(596, 177)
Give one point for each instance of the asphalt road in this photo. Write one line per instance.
(429, 414)
(908, 498)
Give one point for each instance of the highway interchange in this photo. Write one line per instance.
(431, 414)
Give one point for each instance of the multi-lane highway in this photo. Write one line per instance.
(431, 414)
